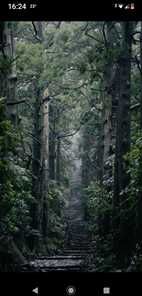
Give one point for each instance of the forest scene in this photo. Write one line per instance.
(71, 146)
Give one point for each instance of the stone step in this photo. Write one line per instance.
(63, 262)
(49, 269)
(77, 230)
(61, 268)
(74, 237)
(78, 223)
(84, 242)
(72, 246)
(73, 257)
(78, 240)
(66, 263)
(77, 247)
(76, 252)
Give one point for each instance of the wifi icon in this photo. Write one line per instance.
(35, 290)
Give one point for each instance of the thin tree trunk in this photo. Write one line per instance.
(12, 77)
(36, 156)
(8, 74)
(58, 161)
(44, 155)
(52, 142)
(107, 105)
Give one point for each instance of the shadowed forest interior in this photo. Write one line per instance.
(71, 146)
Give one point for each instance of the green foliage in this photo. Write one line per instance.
(5, 64)
(99, 212)
(134, 158)
(56, 224)
(14, 182)
(98, 203)
(104, 259)
(136, 260)
(30, 62)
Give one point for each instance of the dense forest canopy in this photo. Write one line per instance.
(71, 121)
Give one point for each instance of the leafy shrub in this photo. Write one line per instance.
(15, 184)
(56, 217)
(134, 158)
(98, 204)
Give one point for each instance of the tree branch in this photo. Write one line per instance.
(15, 102)
(138, 65)
(69, 135)
(36, 32)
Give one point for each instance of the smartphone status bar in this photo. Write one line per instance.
(49, 10)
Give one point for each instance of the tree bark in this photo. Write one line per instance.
(8, 74)
(58, 161)
(139, 197)
(122, 227)
(110, 107)
(44, 164)
(36, 156)
(40, 164)
(52, 142)
(12, 76)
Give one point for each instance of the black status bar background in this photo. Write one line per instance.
(69, 10)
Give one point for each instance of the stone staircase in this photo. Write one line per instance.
(78, 246)
(77, 250)
(74, 256)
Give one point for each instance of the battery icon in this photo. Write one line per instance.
(106, 290)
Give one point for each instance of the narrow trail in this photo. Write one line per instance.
(77, 248)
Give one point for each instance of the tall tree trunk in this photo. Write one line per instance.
(108, 119)
(139, 204)
(141, 76)
(40, 159)
(122, 225)
(12, 77)
(8, 73)
(36, 156)
(3, 72)
(44, 176)
(52, 142)
(58, 161)
(85, 157)
(108, 105)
